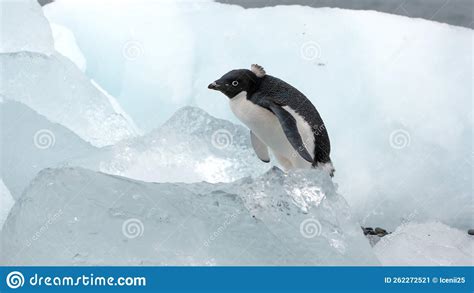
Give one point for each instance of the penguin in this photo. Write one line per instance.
(280, 118)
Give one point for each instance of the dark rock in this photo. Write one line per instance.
(368, 231)
(379, 230)
(44, 2)
(374, 235)
(470, 231)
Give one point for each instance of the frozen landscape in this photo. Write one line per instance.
(247, 222)
(114, 152)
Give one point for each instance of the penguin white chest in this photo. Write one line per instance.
(266, 126)
(258, 119)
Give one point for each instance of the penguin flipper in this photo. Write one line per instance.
(288, 123)
(260, 148)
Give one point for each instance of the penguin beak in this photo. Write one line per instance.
(213, 86)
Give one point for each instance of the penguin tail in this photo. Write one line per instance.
(327, 166)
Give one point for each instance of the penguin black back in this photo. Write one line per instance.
(284, 94)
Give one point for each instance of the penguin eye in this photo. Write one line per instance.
(235, 83)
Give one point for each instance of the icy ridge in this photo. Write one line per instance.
(179, 224)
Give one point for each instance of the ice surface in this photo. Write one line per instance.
(426, 244)
(65, 43)
(117, 108)
(6, 203)
(133, 75)
(54, 87)
(73, 216)
(190, 147)
(23, 27)
(395, 92)
(30, 143)
(397, 103)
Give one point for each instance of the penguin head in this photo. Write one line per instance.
(236, 81)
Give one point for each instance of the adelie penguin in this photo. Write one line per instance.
(279, 117)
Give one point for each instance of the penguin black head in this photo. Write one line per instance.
(236, 81)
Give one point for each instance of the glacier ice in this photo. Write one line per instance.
(426, 244)
(74, 216)
(401, 130)
(192, 146)
(397, 102)
(35, 74)
(23, 27)
(54, 87)
(65, 44)
(30, 143)
(6, 203)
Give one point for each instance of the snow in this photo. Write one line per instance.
(74, 216)
(23, 27)
(65, 44)
(54, 87)
(426, 244)
(6, 203)
(30, 143)
(393, 91)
